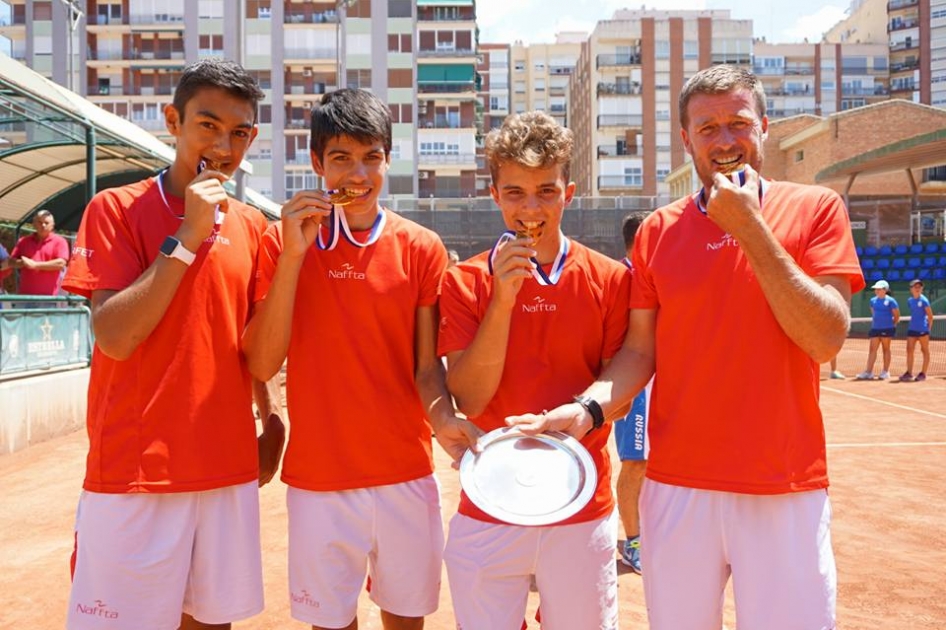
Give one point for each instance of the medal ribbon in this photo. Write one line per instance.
(218, 215)
(739, 179)
(537, 272)
(338, 225)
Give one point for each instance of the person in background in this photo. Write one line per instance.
(630, 437)
(40, 257)
(835, 372)
(885, 315)
(921, 323)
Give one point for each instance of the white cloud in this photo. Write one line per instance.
(813, 26)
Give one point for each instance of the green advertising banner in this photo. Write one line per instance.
(43, 340)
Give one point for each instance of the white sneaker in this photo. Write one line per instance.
(884, 375)
(865, 376)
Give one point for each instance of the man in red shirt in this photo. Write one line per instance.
(40, 257)
(739, 292)
(167, 529)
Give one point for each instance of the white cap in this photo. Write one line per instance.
(881, 284)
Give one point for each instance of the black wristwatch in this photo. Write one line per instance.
(597, 415)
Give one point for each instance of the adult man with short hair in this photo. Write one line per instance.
(40, 257)
(748, 280)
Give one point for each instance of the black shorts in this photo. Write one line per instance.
(881, 332)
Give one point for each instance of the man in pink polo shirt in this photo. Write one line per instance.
(40, 257)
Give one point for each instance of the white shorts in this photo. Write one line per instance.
(776, 547)
(490, 565)
(394, 532)
(143, 559)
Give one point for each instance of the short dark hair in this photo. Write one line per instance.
(355, 113)
(213, 72)
(630, 225)
(720, 79)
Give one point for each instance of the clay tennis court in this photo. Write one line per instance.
(887, 460)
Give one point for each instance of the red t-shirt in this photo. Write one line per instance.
(35, 282)
(176, 416)
(356, 418)
(558, 338)
(734, 405)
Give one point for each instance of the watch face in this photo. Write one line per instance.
(169, 245)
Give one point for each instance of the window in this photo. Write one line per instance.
(259, 44)
(42, 11)
(661, 49)
(400, 77)
(691, 50)
(265, 114)
(662, 172)
(400, 8)
(400, 184)
(359, 79)
(520, 66)
(210, 9)
(633, 176)
(799, 156)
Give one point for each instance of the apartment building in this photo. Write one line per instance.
(447, 98)
(493, 70)
(540, 75)
(127, 56)
(820, 79)
(623, 93)
(914, 32)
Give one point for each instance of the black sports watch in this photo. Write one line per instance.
(592, 406)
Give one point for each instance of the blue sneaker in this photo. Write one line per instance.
(631, 554)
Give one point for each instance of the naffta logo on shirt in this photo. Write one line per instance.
(346, 272)
(538, 305)
(99, 609)
(725, 241)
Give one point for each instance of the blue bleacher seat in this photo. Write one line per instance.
(929, 261)
(900, 263)
(914, 262)
(893, 276)
(932, 248)
(942, 261)
(939, 273)
(900, 250)
(858, 250)
(883, 263)
(885, 250)
(870, 250)
(867, 264)
(875, 276)
(942, 247)
(916, 248)
(925, 274)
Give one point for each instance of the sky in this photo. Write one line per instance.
(537, 21)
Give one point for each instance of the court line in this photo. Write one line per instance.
(884, 402)
(884, 444)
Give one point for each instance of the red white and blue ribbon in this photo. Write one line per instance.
(338, 225)
(558, 265)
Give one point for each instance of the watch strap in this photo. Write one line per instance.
(594, 409)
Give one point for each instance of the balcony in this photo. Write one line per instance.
(618, 89)
(606, 60)
(908, 44)
(309, 53)
(733, 59)
(799, 70)
(425, 122)
(560, 70)
(781, 91)
(619, 120)
(619, 181)
(893, 5)
(447, 159)
(105, 20)
(785, 113)
(12, 20)
(900, 24)
(455, 15)
(446, 88)
(557, 109)
(322, 17)
(613, 150)
(446, 52)
(905, 66)
(157, 18)
(877, 90)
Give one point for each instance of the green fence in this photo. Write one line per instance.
(41, 334)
